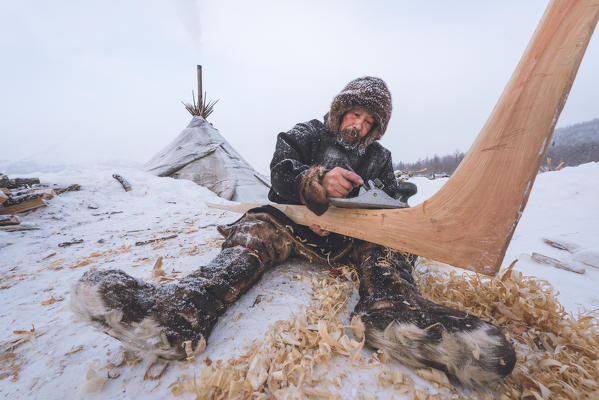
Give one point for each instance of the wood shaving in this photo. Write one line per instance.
(150, 375)
(157, 269)
(191, 352)
(94, 381)
(24, 337)
(282, 365)
(558, 353)
(74, 350)
(51, 300)
(10, 365)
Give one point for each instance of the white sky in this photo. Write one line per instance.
(99, 80)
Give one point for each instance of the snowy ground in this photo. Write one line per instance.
(36, 274)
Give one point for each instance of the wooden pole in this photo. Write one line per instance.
(199, 85)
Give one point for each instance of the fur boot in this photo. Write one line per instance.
(417, 332)
(156, 320)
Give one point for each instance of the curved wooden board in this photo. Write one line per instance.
(470, 221)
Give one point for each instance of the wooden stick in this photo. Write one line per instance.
(540, 258)
(470, 221)
(570, 247)
(11, 228)
(141, 243)
(75, 241)
(200, 86)
(123, 182)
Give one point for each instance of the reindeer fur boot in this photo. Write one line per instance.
(156, 320)
(417, 332)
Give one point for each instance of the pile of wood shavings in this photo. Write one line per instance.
(283, 365)
(558, 354)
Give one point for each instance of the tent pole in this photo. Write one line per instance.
(199, 84)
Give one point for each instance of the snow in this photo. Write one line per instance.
(563, 206)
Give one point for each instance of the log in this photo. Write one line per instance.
(74, 241)
(540, 258)
(18, 199)
(71, 188)
(9, 220)
(5, 182)
(123, 182)
(470, 221)
(32, 203)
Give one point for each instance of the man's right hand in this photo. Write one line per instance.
(339, 182)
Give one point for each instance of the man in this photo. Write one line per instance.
(312, 162)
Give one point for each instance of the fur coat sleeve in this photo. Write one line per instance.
(293, 156)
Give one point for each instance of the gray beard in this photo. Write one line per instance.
(356, 146)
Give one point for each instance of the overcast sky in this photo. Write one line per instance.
(92, 80)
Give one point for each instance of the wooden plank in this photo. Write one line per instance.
(24, 206)
(470, 221)
(540, 258)
(14, 228)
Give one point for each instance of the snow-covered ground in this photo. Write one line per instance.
(36, 274)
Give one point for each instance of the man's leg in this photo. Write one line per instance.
(396, 318)
(156, 319)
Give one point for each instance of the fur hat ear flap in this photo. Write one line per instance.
(368, 92)
(312, 193)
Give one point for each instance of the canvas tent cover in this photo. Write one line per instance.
(202, 155)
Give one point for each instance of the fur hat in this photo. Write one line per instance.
(367, 92)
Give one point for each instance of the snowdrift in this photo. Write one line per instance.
(46, 354)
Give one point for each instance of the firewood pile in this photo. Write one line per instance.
(19, 195)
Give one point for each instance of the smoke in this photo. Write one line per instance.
(189, 12)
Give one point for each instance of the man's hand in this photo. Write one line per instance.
(318, 230)
(338, 182)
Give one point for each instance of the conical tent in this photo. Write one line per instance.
(203, 156)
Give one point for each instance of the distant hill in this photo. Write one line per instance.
(573, 145)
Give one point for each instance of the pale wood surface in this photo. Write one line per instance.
(470, 221)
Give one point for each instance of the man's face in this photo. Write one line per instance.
(356, 124)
